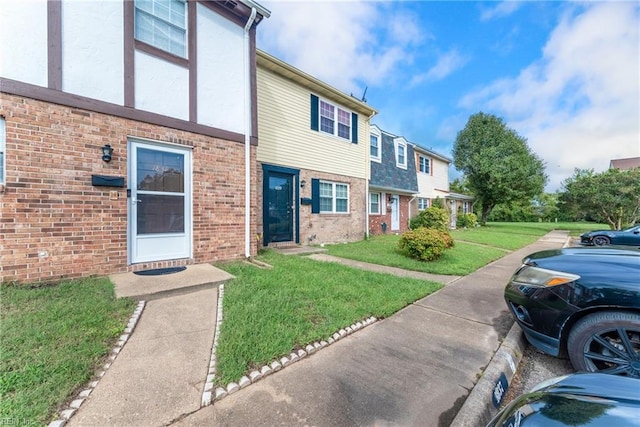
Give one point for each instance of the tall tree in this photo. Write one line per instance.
(612, 196)
(497, 163)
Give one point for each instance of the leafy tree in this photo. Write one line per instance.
(612, 196)
(459, 185)
(497, 163)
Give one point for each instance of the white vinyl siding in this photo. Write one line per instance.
(334, 197)
(287, 140)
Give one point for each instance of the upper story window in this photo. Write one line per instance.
(374, 203)
(374, 151)
(162, 24)
(329, 115)
(401, 154)
(334, 197)
(2, 148)
(329, 118)
(425, 164)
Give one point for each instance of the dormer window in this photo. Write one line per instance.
(401, 154)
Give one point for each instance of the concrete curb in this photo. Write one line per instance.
(478, 409)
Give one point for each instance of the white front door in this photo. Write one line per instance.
(395, 213)
(159, 203)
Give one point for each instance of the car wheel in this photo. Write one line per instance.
(607, 342)
(601, 241)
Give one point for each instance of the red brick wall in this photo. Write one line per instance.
(375, 221)
(54, 224)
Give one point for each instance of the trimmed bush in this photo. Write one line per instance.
(433, 217)
(468, 220)
(425, 244)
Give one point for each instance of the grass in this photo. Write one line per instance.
(268, 313)
(51, 340)
(462, 259)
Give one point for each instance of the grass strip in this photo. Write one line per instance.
(462, 259)
(270, 312)
(51, 340)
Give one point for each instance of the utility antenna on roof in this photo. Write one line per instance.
(364, 99)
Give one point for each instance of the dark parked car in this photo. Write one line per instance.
(596, 400)
(584, 302)
(629, 236)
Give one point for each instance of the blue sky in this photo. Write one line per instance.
(564, 75)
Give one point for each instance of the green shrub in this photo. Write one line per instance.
(433, 217)
(468, 220)
(425, 244)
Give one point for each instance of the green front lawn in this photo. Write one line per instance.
(462, 259)
(51, 340)
(269, 312)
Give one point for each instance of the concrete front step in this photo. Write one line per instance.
(195, 278)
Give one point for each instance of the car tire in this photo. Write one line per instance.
(607, 342)
(601, 241)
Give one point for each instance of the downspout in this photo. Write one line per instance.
(247, 136)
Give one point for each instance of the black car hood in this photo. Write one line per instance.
(599, 400)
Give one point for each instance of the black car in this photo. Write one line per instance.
(596, 400)
(629, 236)
(584, 302)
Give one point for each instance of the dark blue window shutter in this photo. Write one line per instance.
(315, 195)
(354, 128)
(314, 112)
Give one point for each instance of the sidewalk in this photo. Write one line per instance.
(160, 373)
(415, 368)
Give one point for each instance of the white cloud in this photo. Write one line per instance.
(342, 42)
(503, 9)
(447, 64)
(579, 105)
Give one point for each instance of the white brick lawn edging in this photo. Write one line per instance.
(66, 413)
(209, 396)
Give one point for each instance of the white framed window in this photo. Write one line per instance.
(374, 203)
(425, 165)
(163, 24)
(3, 144)
(465, 207)
(330, 115)
(334, 197)
(423, 203)
(374, 150)
(401, 154)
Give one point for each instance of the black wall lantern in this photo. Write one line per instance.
(303, 183)
(107, 151)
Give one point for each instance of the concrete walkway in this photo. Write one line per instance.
(159, 375)
(415, 368)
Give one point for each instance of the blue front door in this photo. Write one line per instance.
(280, 214)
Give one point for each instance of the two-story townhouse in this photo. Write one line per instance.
(312, 156)
(433, 182)
(127, 134)
(393, 183)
